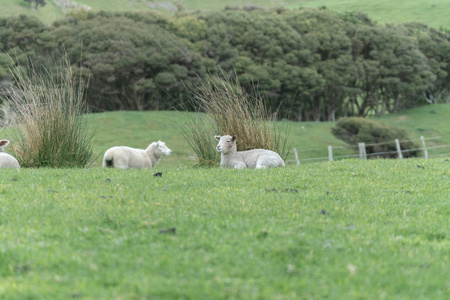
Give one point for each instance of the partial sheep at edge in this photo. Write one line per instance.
(7, 160)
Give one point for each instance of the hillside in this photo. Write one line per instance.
(433, 13)
(138, 129)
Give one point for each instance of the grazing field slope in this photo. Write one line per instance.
(433, 13)
(351, 229)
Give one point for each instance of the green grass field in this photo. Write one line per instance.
(46, 14)
(433, 13)
(351, 229)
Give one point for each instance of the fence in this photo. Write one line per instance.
(362, 151)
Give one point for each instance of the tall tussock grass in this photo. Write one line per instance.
(47, 116)
(224, 108)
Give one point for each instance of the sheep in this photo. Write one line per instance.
(126, 157)
(255, 158)
(6, 160)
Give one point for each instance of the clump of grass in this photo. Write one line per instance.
(223, 108)
(198, 131)
(47, 114)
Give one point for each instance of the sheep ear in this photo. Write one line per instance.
(233, 138)
(217, 137)
(157, 143)
(4, 143)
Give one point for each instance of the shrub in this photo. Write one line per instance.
(378, 137)
(224, 108)
(47, 115)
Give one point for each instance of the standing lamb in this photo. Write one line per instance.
(255, 158)
(125, 157)
(6, 160)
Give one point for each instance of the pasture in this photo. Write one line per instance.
(139, 129)
(433, 13)
(349, 229)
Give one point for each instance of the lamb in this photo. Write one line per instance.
(126, 157)
(6, 160)
(255, 158)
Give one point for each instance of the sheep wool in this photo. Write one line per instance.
(123, 157)
(7, 160)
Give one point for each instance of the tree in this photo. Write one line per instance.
(435, 45)
(133, 63)
(309, 64)
(391, 70)
(254, 47)
(329, 50)
(17, 37)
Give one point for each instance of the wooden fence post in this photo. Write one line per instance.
(362, 150)
(330, 153)
(425, 151)
(399, 150)
(296, 156)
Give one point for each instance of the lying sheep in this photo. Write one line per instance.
(256, 158)
(125, 157)
(6, 160)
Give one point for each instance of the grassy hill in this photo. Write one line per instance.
(434, 13)
(138, 129)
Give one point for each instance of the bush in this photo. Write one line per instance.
(224, 108)
(47, 115)
(378, 137)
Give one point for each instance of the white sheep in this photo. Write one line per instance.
(126, 157)
(255, 158)
(6, 160)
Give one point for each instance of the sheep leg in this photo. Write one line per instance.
(264, 162)
(240, 165)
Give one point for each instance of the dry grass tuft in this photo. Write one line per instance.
(229, 110)
(46, 113)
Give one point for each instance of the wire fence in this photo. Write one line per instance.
(362, 147)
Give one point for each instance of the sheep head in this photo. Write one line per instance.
(227, 143)
(161, 149)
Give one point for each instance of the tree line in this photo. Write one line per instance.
(310, 64)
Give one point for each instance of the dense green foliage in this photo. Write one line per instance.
(378, 137)
(310, 64)
(350, 229)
